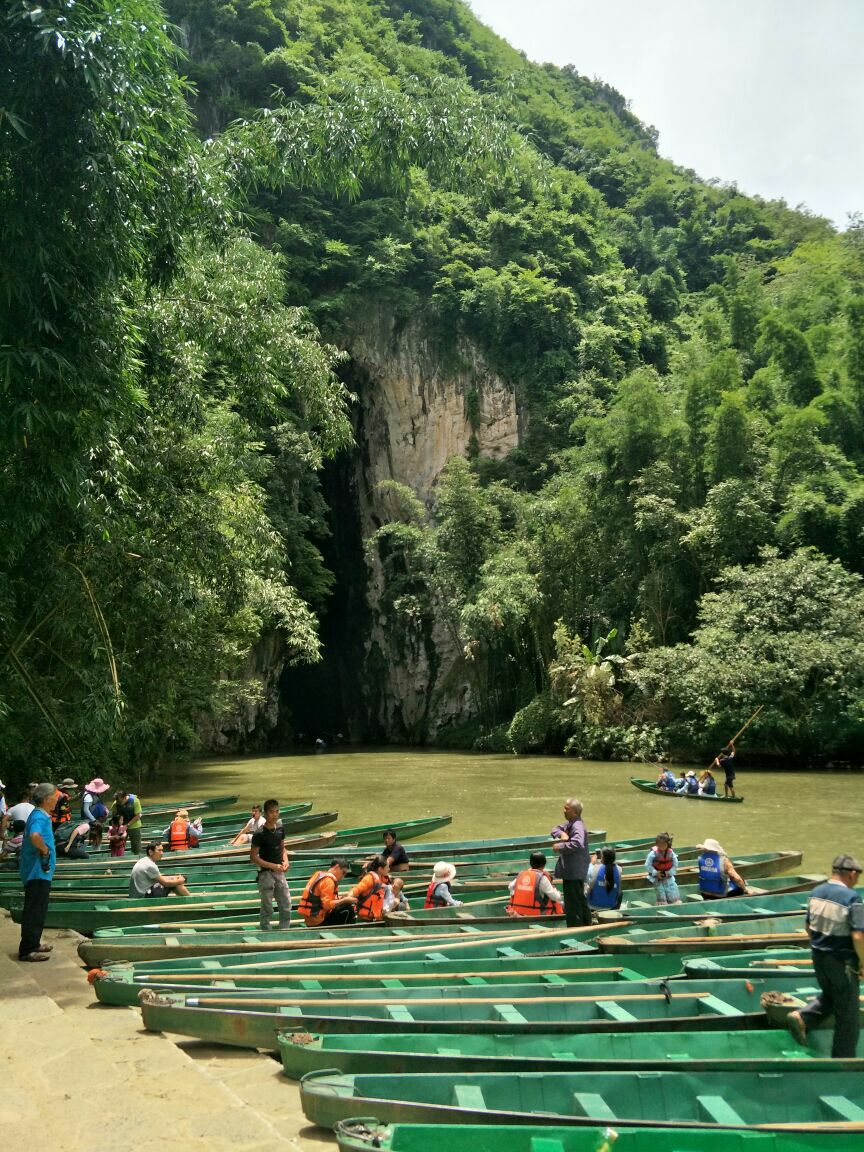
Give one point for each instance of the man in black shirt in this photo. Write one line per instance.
(270, 856)
(396, 855)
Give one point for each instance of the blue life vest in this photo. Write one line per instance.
(667, 781)
(599, 897)
(711, 878)
(709, 788)
(692, 785)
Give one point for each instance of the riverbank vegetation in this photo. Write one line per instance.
(198, 215)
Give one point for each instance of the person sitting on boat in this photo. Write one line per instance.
(371, 889)
(94, 836)
(707, 784)
(181, 834)
(321, 905)
(92, 807)
(603, 886)
(117, 835)
(532, 893)
(70, 840)
(145, 879)
(397, 857)
(252, 825)
(666, 780)
(438, 894)
(681, 783)
(661, 864)
(726, 761)
(394, 896)
(691, 784)
(717, 875)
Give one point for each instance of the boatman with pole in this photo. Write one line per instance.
(835, 921)
(570, 842)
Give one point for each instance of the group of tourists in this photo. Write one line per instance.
(689, 784)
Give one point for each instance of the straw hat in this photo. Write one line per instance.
(444, 872)
(182, 813)
(710, 846)
(97, 785)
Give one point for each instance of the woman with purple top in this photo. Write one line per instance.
(570, 842)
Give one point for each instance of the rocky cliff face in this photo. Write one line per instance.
(416, 413)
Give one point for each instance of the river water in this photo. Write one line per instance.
(821, 813)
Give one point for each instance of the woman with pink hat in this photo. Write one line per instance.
(92, 808)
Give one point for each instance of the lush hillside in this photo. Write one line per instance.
(678, 536)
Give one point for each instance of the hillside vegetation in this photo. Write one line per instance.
(196, 215)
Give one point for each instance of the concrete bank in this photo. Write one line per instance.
(77, 1073)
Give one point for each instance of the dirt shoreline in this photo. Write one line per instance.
(77, 1072)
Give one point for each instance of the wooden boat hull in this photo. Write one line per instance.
(240, 1021)
(763, 1050)
(650, 786)
(365, 1135)
(773, 962)
(699, 939)
(742, 1100)
(779, 1004)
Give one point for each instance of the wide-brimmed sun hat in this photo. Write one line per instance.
(443, 871)
(97, 785)
(68, 782)
(710, 846)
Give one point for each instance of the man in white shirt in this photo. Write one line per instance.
(22, 809)
(145, 879)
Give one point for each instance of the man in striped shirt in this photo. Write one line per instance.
(835, 921)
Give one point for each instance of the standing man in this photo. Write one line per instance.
(128, 807)
(270, 856)
(835, 921)
(726, 761)
(570, 841)
(36, 867)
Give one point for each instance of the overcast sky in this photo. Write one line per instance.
(768, 93)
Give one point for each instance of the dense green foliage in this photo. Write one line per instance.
(678, 536)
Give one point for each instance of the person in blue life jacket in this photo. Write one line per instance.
(717, 876)
(603, 885)
(666, 780)
(691, 784)
(707, 784)
(681, 783)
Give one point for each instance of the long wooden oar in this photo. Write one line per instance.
(284, 1002)
(215, 976)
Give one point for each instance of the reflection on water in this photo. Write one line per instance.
(496, 795)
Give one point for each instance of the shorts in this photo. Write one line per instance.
(156, 891)
(730, 777)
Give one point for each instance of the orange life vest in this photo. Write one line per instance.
(431, 900)
(370, 906)
(62, 809)
(310, 906)
(527, 900)
(178, 835)
(663, 861)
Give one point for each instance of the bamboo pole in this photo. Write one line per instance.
(213, 976)
(240, 1003)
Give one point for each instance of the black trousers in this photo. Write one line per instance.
(36, 893)
(343, 915)
(576, 909)
(838, 981)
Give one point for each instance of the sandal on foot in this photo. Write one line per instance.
(34, 957)
(44, 948)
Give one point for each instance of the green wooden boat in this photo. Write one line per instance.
(125, 946)
(364, 1135)
(121, 984)
(763, 1050)
(510, 846)
(804, 1099)
(709, 937)
(207, 804)
(253, 1021)
(651, 786)
(772, 962)
(778, 1004)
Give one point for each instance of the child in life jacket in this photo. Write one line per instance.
(438, 894)
(117, 836)
(661, 864)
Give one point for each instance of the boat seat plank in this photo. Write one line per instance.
(614, 1011)
(469, 1096)
(509, 953)
(510, 1014)
(448, 1052)
(553, 978)
(392, 982)
(545, 1144)
(718, 1111)
(431, 956)
(208, 963)
(477, 981)
(311, 985)
(715, 1004)
(400, 1012)
(839, 1108)
(593, 1105)
(629, 974)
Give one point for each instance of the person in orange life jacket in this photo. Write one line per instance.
(371, 889)
(661, 863)
(397, 857)
(438, 893)
(603, 885)
(717, 875)
(145, 879)
(181, 833)
(63, 808)
(270, 856)
(570, 840)
(321, 905)
(532, 892)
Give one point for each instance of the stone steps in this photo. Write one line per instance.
(78, 1072)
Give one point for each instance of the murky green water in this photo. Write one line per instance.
(819, 813)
